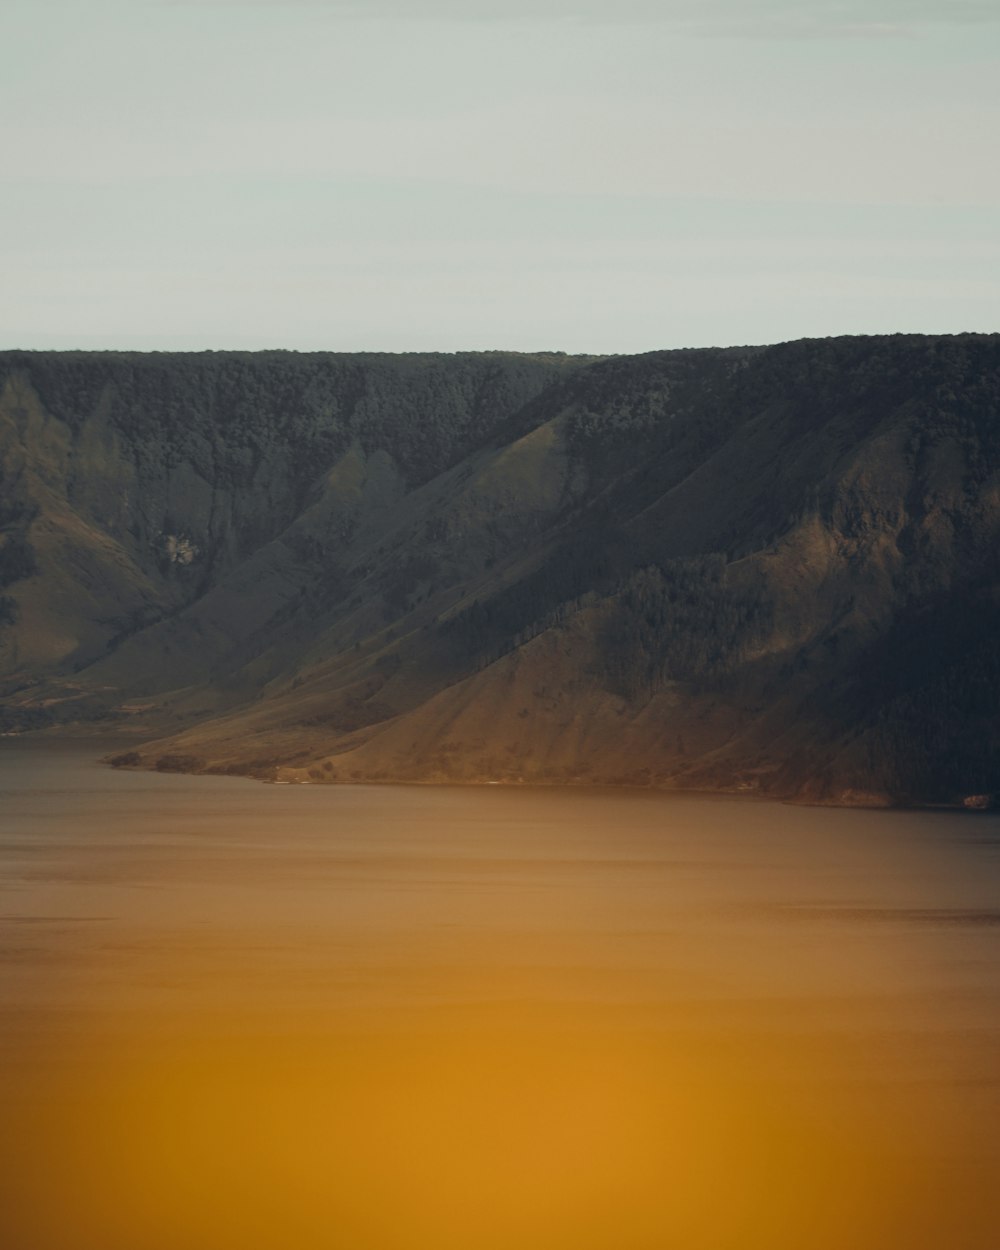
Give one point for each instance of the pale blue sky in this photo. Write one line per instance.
(459, 174)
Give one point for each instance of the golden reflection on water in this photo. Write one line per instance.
(406, 1019)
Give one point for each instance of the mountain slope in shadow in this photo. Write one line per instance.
(770, 570)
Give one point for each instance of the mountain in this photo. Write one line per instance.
(768, 570)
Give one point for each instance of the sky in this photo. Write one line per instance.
(552, 175)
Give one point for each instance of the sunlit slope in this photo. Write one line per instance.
(759, 569)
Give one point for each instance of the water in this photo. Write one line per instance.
(398, 1018)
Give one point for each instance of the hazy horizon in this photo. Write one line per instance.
(264, 348)
(248, 175)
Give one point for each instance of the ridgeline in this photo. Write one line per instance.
(764, 570)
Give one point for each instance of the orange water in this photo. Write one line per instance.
(372, 1017)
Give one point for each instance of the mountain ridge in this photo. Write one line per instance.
(708, 568)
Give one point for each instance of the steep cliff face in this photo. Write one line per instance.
(771, 570)
(140, 482)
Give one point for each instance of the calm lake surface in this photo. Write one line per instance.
(423, 1018)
